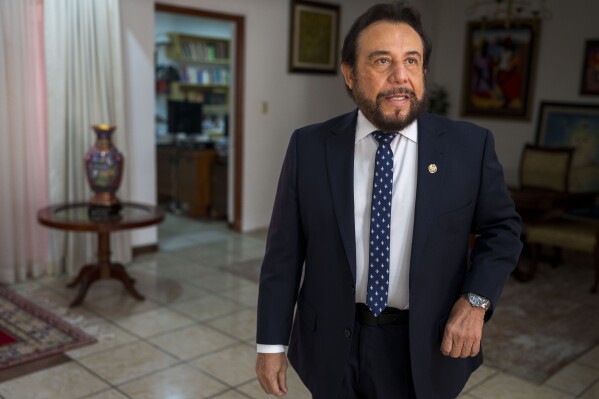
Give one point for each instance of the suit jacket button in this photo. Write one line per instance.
(347, 333)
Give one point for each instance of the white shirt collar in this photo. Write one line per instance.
(364, 127)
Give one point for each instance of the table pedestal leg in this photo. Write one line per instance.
(102, 270)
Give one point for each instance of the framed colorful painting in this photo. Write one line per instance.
(577, 126)
(314, 37)
(589, 84)
(499, 69)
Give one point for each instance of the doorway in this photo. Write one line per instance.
(199, 112)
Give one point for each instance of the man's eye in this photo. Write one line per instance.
(383, 61)
(411, 61)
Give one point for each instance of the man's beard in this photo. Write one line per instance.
(374, 112)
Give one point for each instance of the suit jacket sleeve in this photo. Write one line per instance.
(284, 258)
(497, 248)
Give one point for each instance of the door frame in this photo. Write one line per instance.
(238, 84)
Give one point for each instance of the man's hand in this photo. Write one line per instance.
(271, 369)
(463, 330)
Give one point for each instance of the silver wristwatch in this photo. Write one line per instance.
(477, 301)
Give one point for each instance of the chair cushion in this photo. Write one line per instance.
(575, 235)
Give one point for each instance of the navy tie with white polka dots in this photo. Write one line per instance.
(380, 224)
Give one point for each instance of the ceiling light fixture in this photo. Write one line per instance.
(508, 10)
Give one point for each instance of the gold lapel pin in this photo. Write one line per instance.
(432, 168)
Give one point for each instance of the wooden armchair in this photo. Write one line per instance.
(544, 175)
(545, 168)
(543, 198)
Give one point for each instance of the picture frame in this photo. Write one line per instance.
(589, 81)
(314, 37)
(573, 125)
(499, 69)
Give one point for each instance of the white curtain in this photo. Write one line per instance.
(85, 86)
(23, 173)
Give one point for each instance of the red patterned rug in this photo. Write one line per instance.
(29, 332)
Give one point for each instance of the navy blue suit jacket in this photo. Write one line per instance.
(311, 235)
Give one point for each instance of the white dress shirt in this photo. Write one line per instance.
(405, 160)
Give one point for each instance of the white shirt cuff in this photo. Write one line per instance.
(270, 348)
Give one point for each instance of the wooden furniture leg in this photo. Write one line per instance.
(91, 274)
(117, 271)
(102, 270)
(523, 275)
(596, 258)
(557, 258)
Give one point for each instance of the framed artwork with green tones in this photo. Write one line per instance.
(314, 37)
(576, 126)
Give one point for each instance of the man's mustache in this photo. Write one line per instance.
(396, 91)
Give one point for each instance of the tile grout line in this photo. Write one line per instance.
(233, 390)
(587, 389)
(92, 372)
(484, 380)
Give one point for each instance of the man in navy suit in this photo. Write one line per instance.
(368, 241)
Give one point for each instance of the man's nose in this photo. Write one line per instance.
(399, 74)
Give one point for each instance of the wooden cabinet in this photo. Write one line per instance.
(194, 179)
(165, 173)
(185, 176)
(220, 179)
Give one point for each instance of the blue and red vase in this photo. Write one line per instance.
(104, 167)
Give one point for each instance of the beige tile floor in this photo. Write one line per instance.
(193, 337)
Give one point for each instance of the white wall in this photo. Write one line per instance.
(166, 23)
(557, 76)
(298, 99)
(137, 19)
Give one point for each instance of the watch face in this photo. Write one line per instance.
(478, 301)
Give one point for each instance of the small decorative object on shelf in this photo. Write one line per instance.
(104, 167)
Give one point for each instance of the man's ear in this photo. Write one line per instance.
(347, 72)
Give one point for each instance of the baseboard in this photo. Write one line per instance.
(144, 249)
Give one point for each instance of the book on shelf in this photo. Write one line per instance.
(206, 76)
(204, 52)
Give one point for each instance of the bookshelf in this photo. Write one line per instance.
(199, 72)
(203, 62)
(189, 48)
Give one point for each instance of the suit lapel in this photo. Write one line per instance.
(340, 166)
(431, 151)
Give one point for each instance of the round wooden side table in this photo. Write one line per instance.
(75, 217)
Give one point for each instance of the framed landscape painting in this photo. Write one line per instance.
(573, 125)
(314, 37)
(499, 69)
